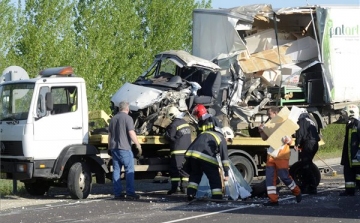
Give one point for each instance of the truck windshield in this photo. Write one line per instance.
(15, 101)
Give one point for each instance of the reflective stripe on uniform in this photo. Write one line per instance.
(355, 162)
(178, 152)
(271, 189)
(193, 185)
(182, 126)
(216, 191)
(292, 185)
(185, 179)
(350, 184)
(218, 140)
(202, 156)
(226, 163)
(206, 127)
(357, 177)
(175, 179)
(352, 130)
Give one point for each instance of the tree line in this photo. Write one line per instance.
(107, 42)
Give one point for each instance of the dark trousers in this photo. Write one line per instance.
(196, 168)
(352, 177)
(178, 178)
(306, 155)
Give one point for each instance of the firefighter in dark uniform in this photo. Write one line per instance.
(179, 135)
(201, 157)
(307, 142)
(350, 158)
(205, 120)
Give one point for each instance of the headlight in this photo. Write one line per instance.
(21, 168)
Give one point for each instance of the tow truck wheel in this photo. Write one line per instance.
(244, 166)
(37, 188)
(297, 174)
(79, 180)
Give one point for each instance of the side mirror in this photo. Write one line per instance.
(40, 111)
(49, 100)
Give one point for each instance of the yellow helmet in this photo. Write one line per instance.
(172, 112)
(352, 111)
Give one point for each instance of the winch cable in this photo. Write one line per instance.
(332, 169)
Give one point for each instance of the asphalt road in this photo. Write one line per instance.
(156, 206)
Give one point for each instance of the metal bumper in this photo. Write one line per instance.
(17, 170)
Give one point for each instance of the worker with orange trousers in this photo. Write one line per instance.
(278, 167)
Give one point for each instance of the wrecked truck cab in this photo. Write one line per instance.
(174, 78)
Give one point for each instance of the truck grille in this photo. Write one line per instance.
(11, 148)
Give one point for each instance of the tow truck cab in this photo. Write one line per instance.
(44, 133)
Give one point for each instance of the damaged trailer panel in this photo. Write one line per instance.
(304, 56)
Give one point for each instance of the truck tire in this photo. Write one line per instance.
(37, 188)
(296, 173)
(244, 166)
(79, 181)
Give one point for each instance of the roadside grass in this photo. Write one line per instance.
(332, 135)
(6, 188)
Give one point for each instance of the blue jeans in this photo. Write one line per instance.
(122, 158)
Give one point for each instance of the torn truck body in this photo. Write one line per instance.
(305, 56)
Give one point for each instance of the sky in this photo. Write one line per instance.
(280, 3)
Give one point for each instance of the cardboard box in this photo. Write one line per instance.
(295, 52)
(270, 77)
(302, 50)
(266, 39)
(265, 60)
(283, 124)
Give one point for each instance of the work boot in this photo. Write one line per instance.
(298, 198)
(271, 204)
(119, 197)
(133, 196)
(190, 197)
(173, 190)
(216, 197)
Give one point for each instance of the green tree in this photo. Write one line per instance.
(108, 42)
(7, 31)
(116, 41)
(107, 47)
(45, 35)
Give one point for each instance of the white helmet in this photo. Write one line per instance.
(228, 132)
(172, 112)
(352, 111)
(303, 110)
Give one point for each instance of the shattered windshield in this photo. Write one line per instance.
(15, 101)
(165, 68)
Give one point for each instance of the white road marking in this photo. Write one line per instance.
(212, 213)
(238, 208)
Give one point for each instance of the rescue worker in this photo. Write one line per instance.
(179, 135)
(350, 158)
(201, 158)
(278, 167)
(205, 120)
(307, 143)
